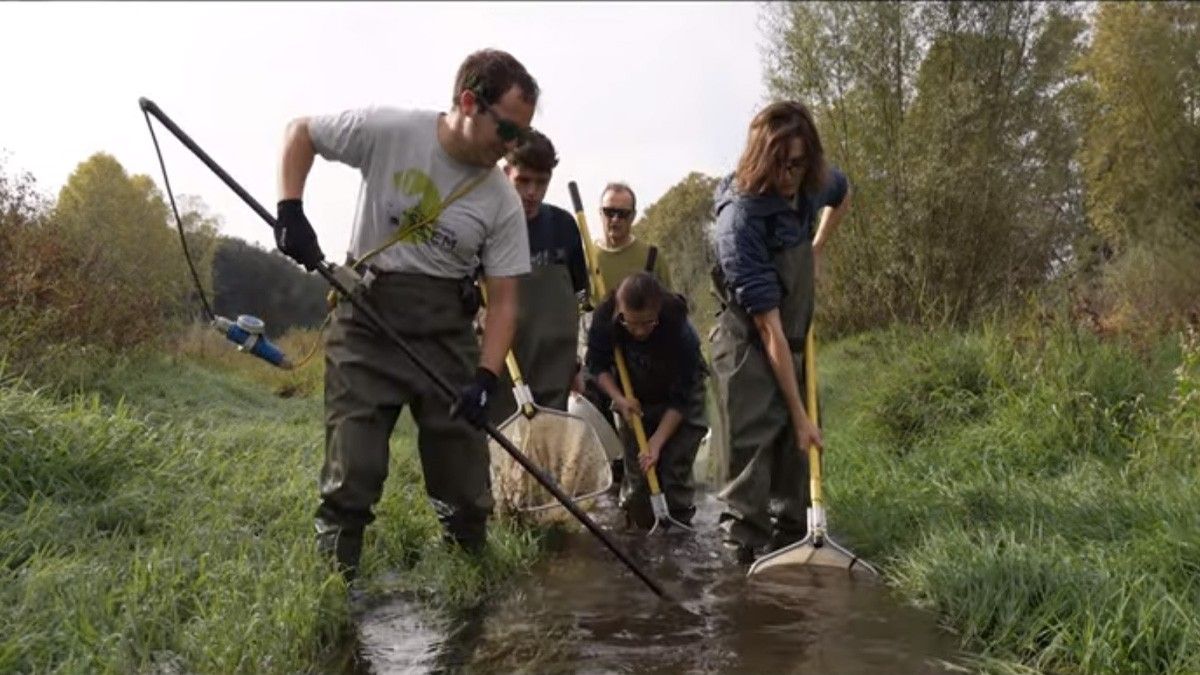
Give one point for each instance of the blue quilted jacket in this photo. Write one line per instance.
(750, 229)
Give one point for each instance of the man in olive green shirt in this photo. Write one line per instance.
(620, 254)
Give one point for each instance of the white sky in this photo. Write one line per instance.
(641, 92)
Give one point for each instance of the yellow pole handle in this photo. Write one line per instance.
(810, 382)
(639, 432)
(598, 291)
(510, 360)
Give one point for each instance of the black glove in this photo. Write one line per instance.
(473, 398)
(294, 235)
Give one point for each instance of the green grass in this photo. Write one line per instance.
(161, 519)
(1035, 487)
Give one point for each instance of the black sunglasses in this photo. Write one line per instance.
(614, 213)
(507, 130)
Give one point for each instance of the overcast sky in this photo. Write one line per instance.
(640, 92)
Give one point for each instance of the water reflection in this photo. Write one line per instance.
(583, 612)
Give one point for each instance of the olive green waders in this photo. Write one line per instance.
(674, 465)
(542, 362)
(545, 343)
(767, 494)
(367, 384)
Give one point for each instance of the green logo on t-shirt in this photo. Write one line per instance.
(416, 223)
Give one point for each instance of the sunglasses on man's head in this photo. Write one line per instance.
(614, 213)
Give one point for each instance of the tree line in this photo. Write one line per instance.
(996, 151)
(102, 264)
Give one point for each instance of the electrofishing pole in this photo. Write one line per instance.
(248, 332)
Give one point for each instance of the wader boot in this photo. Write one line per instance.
(342, 546)
(766, 498)
(368, 381)
(545, 342)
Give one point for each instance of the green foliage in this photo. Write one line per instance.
(117, 227)
(200, 239)
(679, 224)
(249, 280)
(100, 268)
(1033, 484)
(163, 522)
(954, 123)
(1140, 155)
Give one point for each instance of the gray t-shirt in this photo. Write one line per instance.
(406, 176)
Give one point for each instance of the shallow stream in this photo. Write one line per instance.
(581, 611)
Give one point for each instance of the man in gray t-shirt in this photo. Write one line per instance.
(433, 209)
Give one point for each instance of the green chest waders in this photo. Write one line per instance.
(367, 385)
(545, 342)
(530, 406)
(817, 547)
(658, 501)
(767, 494)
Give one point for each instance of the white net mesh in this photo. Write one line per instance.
(564, 446)
(807, 553)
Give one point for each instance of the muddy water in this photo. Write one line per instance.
(582, 612)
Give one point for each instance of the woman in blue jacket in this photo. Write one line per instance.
(765, 248)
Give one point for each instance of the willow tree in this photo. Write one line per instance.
(954, 123)
(1141, 153)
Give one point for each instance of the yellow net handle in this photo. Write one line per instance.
(598, 292)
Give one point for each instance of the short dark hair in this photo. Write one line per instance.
(490, 73)
(640, 291)
(536, 152)
(617, 186)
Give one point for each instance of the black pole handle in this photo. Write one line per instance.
(575, 200)
(326, 270)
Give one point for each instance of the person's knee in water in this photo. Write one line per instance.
(765, 246)
(434, 209)
(649, 326)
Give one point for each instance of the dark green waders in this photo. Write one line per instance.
(766, 496)
(674, 465)
(368, 381)
(545, 343)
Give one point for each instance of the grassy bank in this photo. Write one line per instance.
(1035, 487)
(160, 520)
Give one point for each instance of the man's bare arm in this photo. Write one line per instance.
(296, 160)
(500, 323)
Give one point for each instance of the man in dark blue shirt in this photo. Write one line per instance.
(666, 370)
(547, 334)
